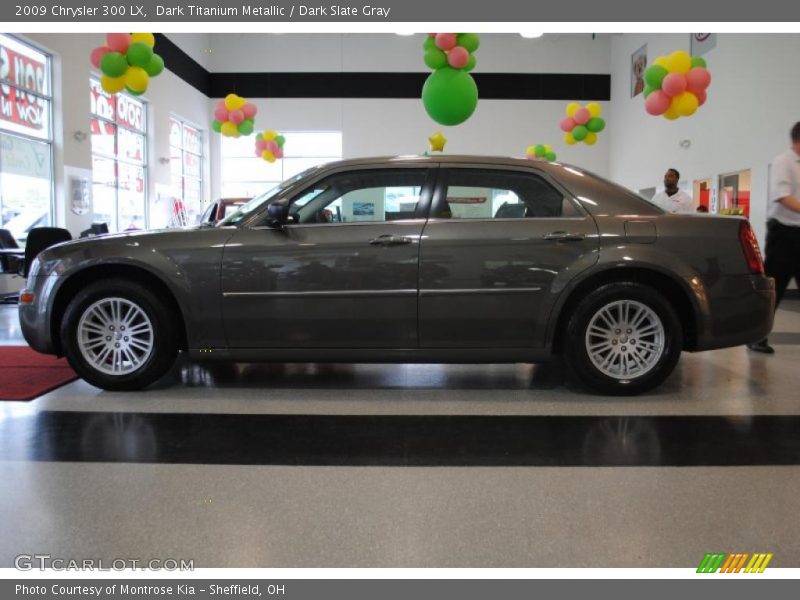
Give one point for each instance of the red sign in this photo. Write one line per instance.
(17, 106)
(117, 107)
(466, 200)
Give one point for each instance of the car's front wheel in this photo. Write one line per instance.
(118, 335)
(624, 338)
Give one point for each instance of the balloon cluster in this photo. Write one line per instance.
(582, 123)
(234, 116)
(269, 145)
(450, 94)
(541, 152)
(675, 85)
(127, 62)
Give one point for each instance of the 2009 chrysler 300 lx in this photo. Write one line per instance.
(410, 259)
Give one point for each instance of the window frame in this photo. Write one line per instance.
(202, 205)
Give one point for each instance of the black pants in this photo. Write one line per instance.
(783, 256)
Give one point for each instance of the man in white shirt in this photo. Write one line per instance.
(783, 224)
(672, 199)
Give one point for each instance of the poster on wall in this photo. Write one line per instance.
(23, 83)
(79, 189)
(702, 43)
(638, 67)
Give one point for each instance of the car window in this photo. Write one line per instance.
(490, 194)
(361, 196)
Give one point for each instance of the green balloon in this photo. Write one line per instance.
(551, 156)
(113, 64)
(647, 91)
(216, 126)
(654, 75)
(470, 41)
(698, 61)
(450, 96)
(539, 150)
(139, 54)
(435, 59)
(155, 65)
(133, 92)
(470, 63)
(595, 124)
(280, 140)
(429, 43)
(579, 133)
(246, 127)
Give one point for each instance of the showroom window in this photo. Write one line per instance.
(186, 165)
(244, 175)
(26, 145)
(119, 159)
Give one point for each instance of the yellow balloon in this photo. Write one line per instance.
(662, 60)
(572, 107)
(112, 85)
(269, 135)
(531, 150)
(686, 104)
(594, 109)
(146, 38)
(548, 148)
(268, 156)
(228, 129)
(568, 139)
(672, 112)
(679, 62)
(234, 102)
(590, 139)
(136, 78)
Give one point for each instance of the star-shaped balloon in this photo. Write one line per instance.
(437, 142)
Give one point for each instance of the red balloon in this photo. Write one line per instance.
(249, 110)
(118, 42)
(458, 57)
(657, 103)
(698, 79)
(221, 114)
(582, 116)
(236, 116)
(446, 41)
(97, 55)
(673, 84)
(701, 97)
(567, 124)
(221, 106)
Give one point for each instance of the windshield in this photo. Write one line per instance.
(263, 199)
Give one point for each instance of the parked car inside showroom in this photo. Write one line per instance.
(500, 260)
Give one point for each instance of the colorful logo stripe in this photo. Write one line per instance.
(734, 562)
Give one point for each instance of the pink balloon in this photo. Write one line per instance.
(698, 79)
(221, 114)
(567, 124)
(220, 104)
(701, 97)
(272, 146)
(446, 41)
(278, 153)
(657, 103)
(582, 116)
(236, 117)
(673, 84)
(249, 110)
(97, 55)
(458, 57)
(118, 42)
(261, 145)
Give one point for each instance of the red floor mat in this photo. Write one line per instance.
(25, 374)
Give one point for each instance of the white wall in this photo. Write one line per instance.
(752, 104)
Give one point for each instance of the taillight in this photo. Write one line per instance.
(752, 254)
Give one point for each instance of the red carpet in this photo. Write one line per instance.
(25, 374)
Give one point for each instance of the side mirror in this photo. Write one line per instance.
(278, 213)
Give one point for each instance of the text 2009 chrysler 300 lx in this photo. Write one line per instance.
(419, 259)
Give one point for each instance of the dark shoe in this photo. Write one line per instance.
(761, 346)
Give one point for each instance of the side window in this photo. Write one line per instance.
(487, 194)
(361, 196)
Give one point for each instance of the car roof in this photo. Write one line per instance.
(443, 159)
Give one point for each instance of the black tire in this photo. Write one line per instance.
(164, 345)
(659, 366)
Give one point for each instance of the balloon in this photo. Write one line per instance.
(657, 103)
(686, 104)
(133, 92)
(698, 79)
(234, 102)
(450, 96)
(673, 84)
(590, 139)
(155, 66)
(246, 127)
(679, 62)
(572, 107)
(582, 116)
(278, 153)
(539, 150)
(470, 63)
(698, 61)
(654, 75)
(249, 110)
(672, 112)
(445, 41)
(661, 60)
(113, 64)
(596, 124)
(97, 54)
(435, 58)
(470, 41)
(548, 148)
(145, 38)
(118, 42)
(568, 139)
(594, 109)
(272, 146)
(139, 54)
(268, 156)
(281, 140)
(229, 129)
(647, 90)
(458, 57)
(269, 135)
(429, 44)
(112, 85)
(579, 133)
(236, 116)
(260, 146)
(551, 156)
(136, 79)
(701, 97)
(221, 114)
(216, 125)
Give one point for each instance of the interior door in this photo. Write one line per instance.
(500, 246)
(342, 274)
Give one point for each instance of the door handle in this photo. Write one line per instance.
(387, 240)
(564, 236)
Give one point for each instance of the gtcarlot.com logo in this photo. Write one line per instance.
(737, 562)
(42, 562)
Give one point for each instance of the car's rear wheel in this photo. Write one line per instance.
(623, 338)
(118, 335)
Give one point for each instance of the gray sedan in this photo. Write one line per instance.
(457, 259)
